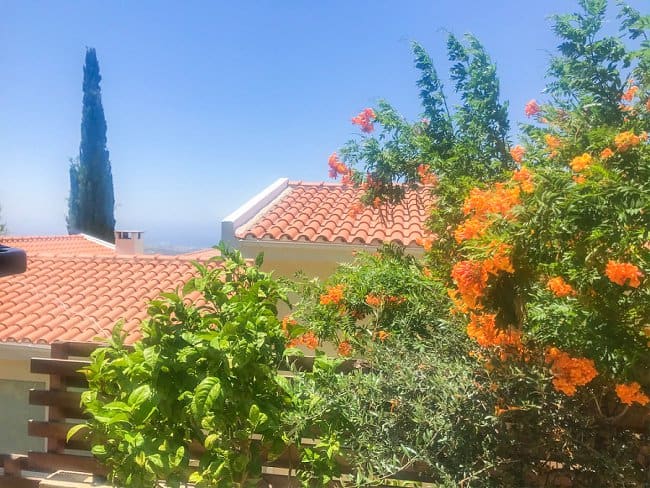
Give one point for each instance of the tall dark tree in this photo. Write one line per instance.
(92, 202)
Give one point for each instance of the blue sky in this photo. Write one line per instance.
(207, 103)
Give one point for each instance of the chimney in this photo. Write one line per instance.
(129, 242)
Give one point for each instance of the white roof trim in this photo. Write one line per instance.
(99, 241)
(251, 208)
(23, 350)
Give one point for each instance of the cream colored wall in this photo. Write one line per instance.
(15, 382)
(314, 259)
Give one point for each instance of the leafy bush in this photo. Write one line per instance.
(204, 373)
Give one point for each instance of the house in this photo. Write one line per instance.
(311, 226)
(75, 288)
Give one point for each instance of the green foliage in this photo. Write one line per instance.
(385, 291)
(91, 202)
(204, 372)
(470, 141)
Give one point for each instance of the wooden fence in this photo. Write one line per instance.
(62, 400)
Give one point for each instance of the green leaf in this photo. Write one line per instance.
(74, 430)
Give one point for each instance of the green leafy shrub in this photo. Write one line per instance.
(204, 374)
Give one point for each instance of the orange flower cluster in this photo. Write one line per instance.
(427, 242)
(485, 204)
(517, 153)
(333, 295)
(568, 372)
(581, 162)
(560, 287)
(626, 140)
(553, 143)
(337, 167)
(606, 153)
(373, 300)
(631, 393)
(531, 108)
(630, 93)
(471, 229)
(382, 335)
(425, 175)
(355, 210)
(524, 177)
(288, 323)
(364, 120)
(482, 328)
(345, 349)
(620, 273)
(471, 277)
(308, 339)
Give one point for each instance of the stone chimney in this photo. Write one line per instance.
(129, 242)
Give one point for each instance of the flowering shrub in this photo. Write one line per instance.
(543, 246)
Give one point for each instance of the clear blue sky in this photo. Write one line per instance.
(209, 102)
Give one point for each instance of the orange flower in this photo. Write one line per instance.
(382, 335)
(425, 175)
(517, 153)
(579, 179)
(619, 273)
(499, 259)
(355, 210)
(374, 300)
(364, 120)
(496, 200)
(471, 229)
(552, 142)
(568, 372)
(525, 179)
(647, 104)
(532, 108)
(626, 140)
(606, 153)
(471, 279)
(482, 328)
(581, 162)
(345, 349)
(333, 295)
(631, 393)
(337, 167)
(427, 242)
(629, 94)
(288, 323)
(560, 287)
(308, 339)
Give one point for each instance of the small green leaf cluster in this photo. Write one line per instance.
(202, 379)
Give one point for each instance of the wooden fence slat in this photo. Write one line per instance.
(14, 482)
(65, 368)
(50, 462)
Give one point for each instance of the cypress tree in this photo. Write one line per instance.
(91, 203)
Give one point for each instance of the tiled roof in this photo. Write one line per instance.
(74, 245)
(81, 297)
(320, 212)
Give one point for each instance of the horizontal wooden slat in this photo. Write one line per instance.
(14, 482)
(49, 462)
(59, 431)
(64, 399)
(68, 369)
(73, 348)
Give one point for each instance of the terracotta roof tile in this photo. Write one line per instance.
(75, 245)
(319, 212)
(79, 297)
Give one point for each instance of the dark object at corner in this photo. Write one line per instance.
(12, 261)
